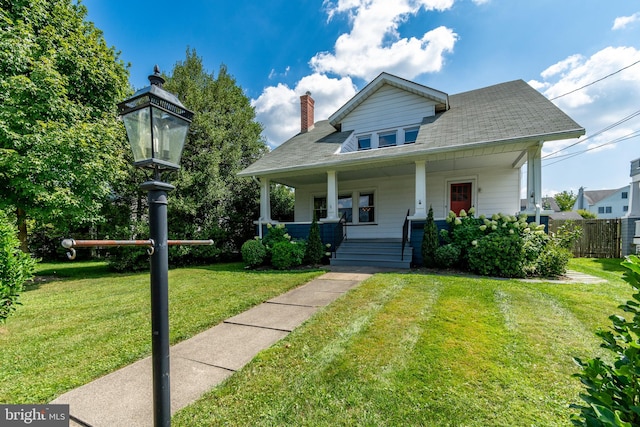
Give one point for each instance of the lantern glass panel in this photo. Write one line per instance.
(138, 126)
(169, 133)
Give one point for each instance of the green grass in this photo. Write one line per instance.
(426, 350)
(84, 322)
(400, 349)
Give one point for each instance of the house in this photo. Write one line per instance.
(606, 204)
(397, 148)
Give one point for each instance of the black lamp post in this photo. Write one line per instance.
(157, 125)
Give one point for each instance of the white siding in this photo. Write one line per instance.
(494, 191)
(388, 108)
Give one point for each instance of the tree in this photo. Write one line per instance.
(210, 200)
(60, 143)
(430, 241)
(15, 268)
(282, 203)
(565, 200)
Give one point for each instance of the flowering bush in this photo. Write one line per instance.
(507, 246)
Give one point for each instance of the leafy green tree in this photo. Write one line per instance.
(282, 203)
(210, 200)
(15, 267)
(565, 200)
(60, 143)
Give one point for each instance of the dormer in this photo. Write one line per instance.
(387, 113)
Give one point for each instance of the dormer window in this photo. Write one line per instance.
(364, 142)
(386, 139)
(410, 135)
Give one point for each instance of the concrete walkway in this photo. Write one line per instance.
(124, 397)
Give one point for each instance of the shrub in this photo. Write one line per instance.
(497, 255)
(586, 214)
(612, 391)
(430, 241)
(447, 256)
(462, 232)
(16, 267)
(315, 249)
(287, 254)
(552, 262)
(253, 252)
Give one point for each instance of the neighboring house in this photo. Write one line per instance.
(548, 204)
(398, 148)
(606, 204)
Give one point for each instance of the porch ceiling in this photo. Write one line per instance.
(442, 162)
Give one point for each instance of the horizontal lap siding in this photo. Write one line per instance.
(388, 108)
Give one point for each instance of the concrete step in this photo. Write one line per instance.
(373, 252)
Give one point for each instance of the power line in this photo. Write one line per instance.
(614, 141)
(611, 126)
(595, 81)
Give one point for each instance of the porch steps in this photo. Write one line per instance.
(373, 252)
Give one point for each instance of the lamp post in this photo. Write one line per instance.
(157, 125)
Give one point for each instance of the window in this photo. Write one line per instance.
(410, 135)
(387, 139)
(625, 208)
(600, 209)
(607, 209)
(364, 142)
(625, 194)
(345, 205)
(366, 209)
(320, 207)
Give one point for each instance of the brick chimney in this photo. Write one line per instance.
(306, 112)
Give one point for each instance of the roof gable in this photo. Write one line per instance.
(441, 99)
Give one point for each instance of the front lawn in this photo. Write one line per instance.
(79, 322)
(400, 349)
(426, 350)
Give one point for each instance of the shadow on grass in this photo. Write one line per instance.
(609, 264)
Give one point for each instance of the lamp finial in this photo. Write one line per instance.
(156, 78)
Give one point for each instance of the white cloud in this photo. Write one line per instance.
(374, 35)
(278, 107)
(596, 106)
(621, 22)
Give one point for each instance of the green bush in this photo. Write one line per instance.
(552, 262)
(16, 267)
(253, 252)
(612, 395)
(464, 230)
(586, 214)
(447, 256)
(315, 248)
(287, 254)
(430, 241)
(497, 255)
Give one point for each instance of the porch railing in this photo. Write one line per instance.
(405, 233)
(339, 233)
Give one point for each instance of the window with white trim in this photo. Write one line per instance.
(387, 139)
(345, 206)
(410, 135)
(366, 208)
(320, 207)
(364, 142)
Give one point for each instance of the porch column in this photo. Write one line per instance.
(420, 202)
(332, 195)
(534, 180)
(265, 200)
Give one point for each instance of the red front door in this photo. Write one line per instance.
(460, 197)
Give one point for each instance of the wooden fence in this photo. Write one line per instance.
(601, 238)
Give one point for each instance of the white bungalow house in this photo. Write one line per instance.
(397, 148)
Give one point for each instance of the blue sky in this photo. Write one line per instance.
(279, 49)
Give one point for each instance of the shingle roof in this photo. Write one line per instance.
(505, 113)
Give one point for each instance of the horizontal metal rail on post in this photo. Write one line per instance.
(72, 243)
